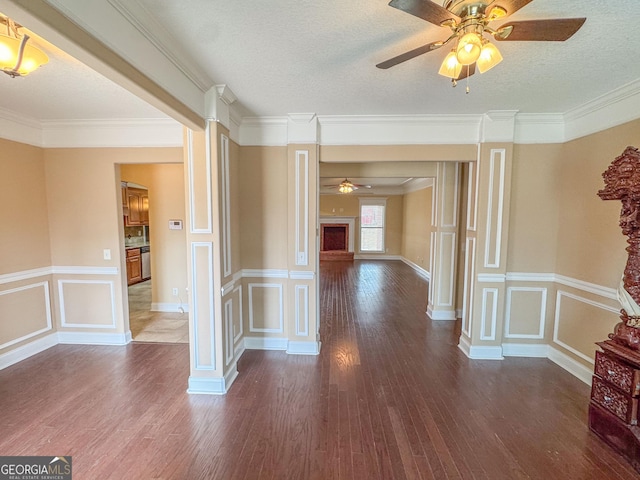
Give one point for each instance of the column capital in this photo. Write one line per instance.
(302, 128)
(498, 126)
(218, 100)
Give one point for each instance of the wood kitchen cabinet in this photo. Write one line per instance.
(137, 207)
(134, 266)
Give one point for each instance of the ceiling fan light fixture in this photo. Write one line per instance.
(489, 57)
(469, 48)
(346, 186)
(17, 56)
(450, 67)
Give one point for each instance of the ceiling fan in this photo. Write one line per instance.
(469, 22)
(346, 186)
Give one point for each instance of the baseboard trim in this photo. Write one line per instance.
(479, 353)
(304, 348)
(209, 386)
(570, 365)
(371, 256)
(28, 350)
(421, 271)
(532, 350)
(265, 343)
(90, 338)
(170, 307)
(292, 347)
(441, 314)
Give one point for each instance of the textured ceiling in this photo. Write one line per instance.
(292, 56)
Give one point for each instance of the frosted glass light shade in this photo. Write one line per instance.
(468, 49)
(489, 57)
(450, 67)
(32, 58)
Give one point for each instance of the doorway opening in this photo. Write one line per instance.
(154, 253)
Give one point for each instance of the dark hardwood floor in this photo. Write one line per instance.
(389, 397)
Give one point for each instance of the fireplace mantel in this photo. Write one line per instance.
(351, 221)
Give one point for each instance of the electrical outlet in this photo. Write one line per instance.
(175, 292)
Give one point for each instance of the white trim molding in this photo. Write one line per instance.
(47, 311)
(475, 352)
(226, 205)
(280, 314)
(497, 160)
(541, 319)
(195, 315)
(63, 313)
(301, 205)
(23, 352)
(212, 385)
(559, 295)
(93, 338)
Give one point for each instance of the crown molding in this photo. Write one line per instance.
(19, 128)
(615, 108)
(539, 128)
(140, 18)
(399, 129)
(150, 132)
(416, 184)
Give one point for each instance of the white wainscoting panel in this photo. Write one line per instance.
(203, 305)
(226, 206)
(489, 317)
(493, 241)
(96, 296)
(561, 297)
(302, 310)
(266, 315)
(301, 202)
(7, 314)
(511, 316)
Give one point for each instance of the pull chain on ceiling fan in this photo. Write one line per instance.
(469, 22)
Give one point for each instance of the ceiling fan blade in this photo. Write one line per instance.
(557, 30)
(466, 71)
(409, 55)
(424, 9)
(511, 6)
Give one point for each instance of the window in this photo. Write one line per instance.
(372, 211)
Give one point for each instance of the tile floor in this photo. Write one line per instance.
(156, 327)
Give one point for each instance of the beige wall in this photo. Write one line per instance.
(349, 206)
(416, 227)
(25, 303)
(263, 207)
(561, 228)
(165, 183)
(24, 236)
(535, 193)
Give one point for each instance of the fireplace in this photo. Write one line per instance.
(334, 237)
(334, 242)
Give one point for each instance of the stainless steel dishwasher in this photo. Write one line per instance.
(145, 253)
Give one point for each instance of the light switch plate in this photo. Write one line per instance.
(107, 253)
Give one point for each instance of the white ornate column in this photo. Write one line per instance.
(206, 160)
(302, 291)
(444, 242)
(487, 237)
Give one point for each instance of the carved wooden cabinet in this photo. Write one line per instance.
(615, 392)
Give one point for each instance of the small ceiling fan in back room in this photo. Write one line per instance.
(346, 186)
(469, 22)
